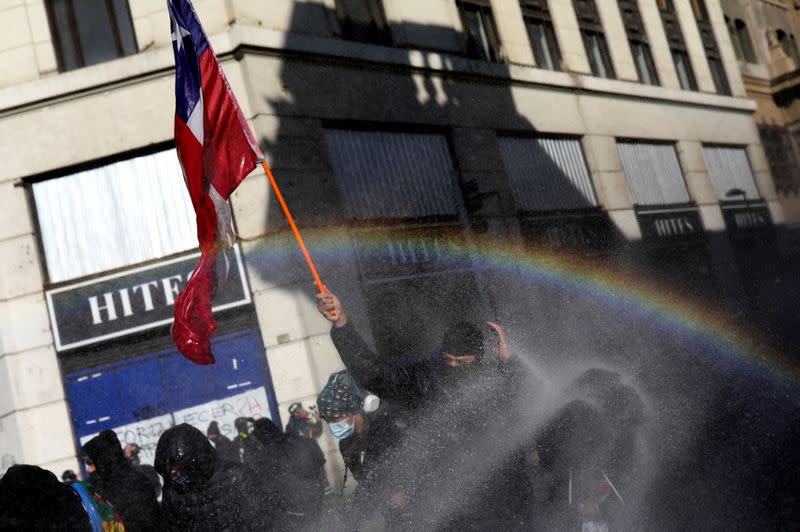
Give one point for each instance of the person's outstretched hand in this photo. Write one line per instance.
(331, 308)
(501, 350)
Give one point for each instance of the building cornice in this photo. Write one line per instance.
(159, 62)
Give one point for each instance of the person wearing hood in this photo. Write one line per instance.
(220, 442)
(296, 465)
(114, 478)
(32, 498)
(204, 492)
(244, 448)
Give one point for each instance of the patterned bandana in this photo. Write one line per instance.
(340, 397)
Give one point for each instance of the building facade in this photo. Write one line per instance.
(763, 35)
(618, 130)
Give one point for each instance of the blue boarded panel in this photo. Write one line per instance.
(187, 383)
(93, 401)
(141, 392)
(141, 397)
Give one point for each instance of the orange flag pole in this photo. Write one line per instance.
(317, 281)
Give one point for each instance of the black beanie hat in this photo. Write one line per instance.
(463, 338)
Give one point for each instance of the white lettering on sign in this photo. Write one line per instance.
(749, 219)
(414, 252)
(111, 311)
(171, 289)
(677, 226)
(145, 433)
(147, 297)
(107, 310)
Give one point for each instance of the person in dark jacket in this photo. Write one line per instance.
(32, 498)
(203, 492)
(296, 464)
(367, 441)
(415, 383)
(111, 475)
(244, 448)
(221, 442)
(457, 404)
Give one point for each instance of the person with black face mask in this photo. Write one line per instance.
(457, 406)
(414, 383)
(113, 477)
(204, 492)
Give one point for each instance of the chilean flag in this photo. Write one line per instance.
(217, 151)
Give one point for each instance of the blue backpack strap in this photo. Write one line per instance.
(88, 504)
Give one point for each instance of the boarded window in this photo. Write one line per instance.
(382, 175)
(653, 173)
(729, 170)
(547, 173)
(115, 215)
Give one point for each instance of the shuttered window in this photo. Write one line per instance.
(729, 170)
(547, 173)
(653, 173)
(382, 175)
(115, 215)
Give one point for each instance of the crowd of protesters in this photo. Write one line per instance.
(431, 443)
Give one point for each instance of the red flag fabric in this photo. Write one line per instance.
(217, 151)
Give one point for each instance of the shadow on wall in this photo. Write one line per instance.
(328, 122)
(407, 302)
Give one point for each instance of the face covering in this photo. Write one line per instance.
(341, 429)
(180, 478)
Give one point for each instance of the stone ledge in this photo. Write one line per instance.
(159, 62)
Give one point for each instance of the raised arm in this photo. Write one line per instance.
(358, 358)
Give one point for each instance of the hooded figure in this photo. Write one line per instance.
(115, 479)
(204, 492)
(32, 498)
(221, 442)
(295, 463)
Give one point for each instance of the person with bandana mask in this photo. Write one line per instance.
(115, 479)
(204, 492)
(366, 441)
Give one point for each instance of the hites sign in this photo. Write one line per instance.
(132, 301)
(745, 219)
(670, 224)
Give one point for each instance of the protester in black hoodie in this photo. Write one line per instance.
(456, 405)
(32, 498)
(295, 463)
(204, 492)
(114, 478)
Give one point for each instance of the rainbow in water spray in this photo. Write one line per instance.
(626, 293)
